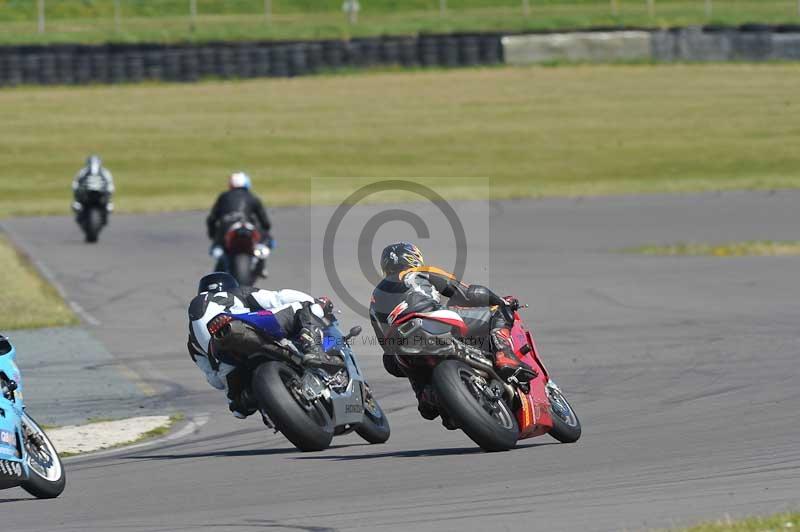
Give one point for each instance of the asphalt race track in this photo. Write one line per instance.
(683, 371)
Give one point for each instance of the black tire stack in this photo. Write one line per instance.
(122, 63)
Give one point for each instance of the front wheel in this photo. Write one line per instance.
(473, 404)
(308, 425)
(566, 425)
(47, 477)
(93, 224)
(375, 427)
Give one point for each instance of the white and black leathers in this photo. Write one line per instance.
(93, 177)
(284, 304)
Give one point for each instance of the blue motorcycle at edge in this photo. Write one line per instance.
(28, 458)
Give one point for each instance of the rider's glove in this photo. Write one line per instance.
(512, 303)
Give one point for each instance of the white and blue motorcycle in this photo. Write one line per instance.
(307, 405)
(27, 457)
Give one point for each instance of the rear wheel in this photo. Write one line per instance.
(473, 404)
(307, 425)
(47, 478)
(375, 427)
(242, 266)
(566, 426)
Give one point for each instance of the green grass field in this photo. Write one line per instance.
(784, 522)
(29, 287)
(539, 131)
(758, 248)
(168, 20)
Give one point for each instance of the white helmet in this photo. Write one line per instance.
(239, 180)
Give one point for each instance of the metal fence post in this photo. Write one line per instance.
(526, 7)
(193, 14)
(442, 8)
(268, 11)
(614, 8)
(709, 8)
(651, 8)
(40, 15)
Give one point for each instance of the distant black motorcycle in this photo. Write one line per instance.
(243, 254)
(92, 213)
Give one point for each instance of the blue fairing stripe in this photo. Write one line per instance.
(263, 320)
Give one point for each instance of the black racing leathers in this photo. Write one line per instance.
(238, 204)
(420, 290)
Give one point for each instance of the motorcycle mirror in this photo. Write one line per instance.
(355, 331)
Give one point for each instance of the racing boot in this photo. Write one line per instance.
(310, 339)
(506, 362)
(426, 404)
(428, 408)
(426, 400)
(243, 405)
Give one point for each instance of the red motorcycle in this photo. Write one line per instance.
(245, 257)
(494, 412)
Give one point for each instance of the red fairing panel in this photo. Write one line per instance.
(534, 416)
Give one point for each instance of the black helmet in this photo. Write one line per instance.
(217, 282)
(399, 257)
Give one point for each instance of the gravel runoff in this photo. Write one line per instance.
(76, 439)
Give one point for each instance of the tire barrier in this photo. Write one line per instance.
(122, 63)
(118, 63)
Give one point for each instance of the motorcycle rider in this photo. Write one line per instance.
(237, 204)
(93, 177)
(299, 315)
(409, 286)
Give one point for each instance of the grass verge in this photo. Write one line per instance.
(531, 131)
(756, 248)
(168, 20)
(21, 282)
(774, 523)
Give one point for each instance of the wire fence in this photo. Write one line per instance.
(93, 20)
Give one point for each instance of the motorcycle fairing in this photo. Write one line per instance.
(445, 316)
(241, 237)
(348, 405)
(263, 320)
(533, 416)
(14, 467)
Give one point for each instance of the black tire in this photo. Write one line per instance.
(375, 427)
(242, 266)
(38, 485)
(566, 425)
(308, 427)
(93, 224)
(467, 410)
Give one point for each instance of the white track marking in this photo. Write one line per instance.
(191, 427)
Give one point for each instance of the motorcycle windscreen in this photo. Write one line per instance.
(264, 321)
(5, 347)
